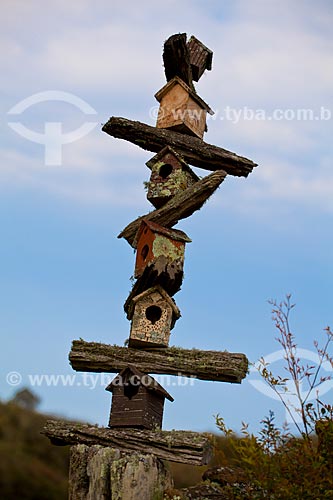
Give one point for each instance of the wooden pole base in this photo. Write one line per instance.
(99, 473)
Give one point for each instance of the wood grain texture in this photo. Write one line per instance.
(177, 446)
(195, 151)
(203, 365)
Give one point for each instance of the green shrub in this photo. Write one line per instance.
(279, 465)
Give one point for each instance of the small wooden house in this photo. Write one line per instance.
(137, 400)
(181, 109)
(200, 57)
(153, 314)
(153, 242)
(170, 174)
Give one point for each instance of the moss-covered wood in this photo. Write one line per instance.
(182, 205)
(194, 150)
(98, 472)
(219, 366)
(177, 446)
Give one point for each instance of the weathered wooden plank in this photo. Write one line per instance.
(205, 365)
(177, 446)
(194, 150)
(182, 205)
(176, 59)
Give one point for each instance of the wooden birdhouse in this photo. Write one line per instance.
(170, 174)
(154, 242)
(137, 400)
(181, 109)
(153, 314)
(200, 57)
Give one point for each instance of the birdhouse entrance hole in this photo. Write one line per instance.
(130, 390)
(153, 314)
(165, 170)
(144, 252)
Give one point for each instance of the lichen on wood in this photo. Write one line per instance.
(182, 205)
(176, 446)
(219, 366)
(195, 151)
(109, 474)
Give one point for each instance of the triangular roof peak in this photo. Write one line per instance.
(138, 378)
(176, 80)
(168, 149)
(164, 295)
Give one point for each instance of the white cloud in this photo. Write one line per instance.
(266, 55)
(264, 135)
(280, 186)
(86, 175)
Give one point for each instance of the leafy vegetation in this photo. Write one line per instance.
(278, 464)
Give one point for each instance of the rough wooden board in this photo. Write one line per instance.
(204, 365)
(194, 150)
(201, 57)
(177, 446)
(182, 205)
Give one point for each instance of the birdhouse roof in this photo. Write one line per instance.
(176, 80)
(139, 378)
(198, 51)
(172, 234)
(163, 294)
(167, 149)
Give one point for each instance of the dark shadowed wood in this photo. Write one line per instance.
(143, 411)
(182, 205)
(219, 366)
(177, 446)
(169, 275)
(137, 400)
(176, 59)
(194, 150)
(200, 57)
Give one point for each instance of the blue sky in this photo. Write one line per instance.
(65, 275)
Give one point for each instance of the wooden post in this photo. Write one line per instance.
(99, 473)
(124, 462)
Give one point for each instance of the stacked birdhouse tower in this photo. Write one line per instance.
(176, 192)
